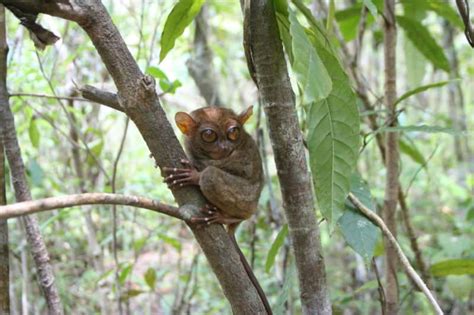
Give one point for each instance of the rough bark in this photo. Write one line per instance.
(200, 65)
(392, 156)
(140, 102)
(266, 59)
(4, 255)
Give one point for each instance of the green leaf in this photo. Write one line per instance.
(412, 151)
(358, 231)
(421, 89)
(130, 294)
(170, 240)
(34, 133)
(179, 18)
(442, 8)
(371, 6)
(277, 244)
(349, 19)
(150, 278)
(422, 128)
(124, 273)
(96, 148)
(424, 42)
(453, 267)
(333, 140)
(311, 73)
(157, 73)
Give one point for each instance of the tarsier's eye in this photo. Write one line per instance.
(208, 135)
(233, 133)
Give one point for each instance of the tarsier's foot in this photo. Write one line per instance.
(179, 177)
(212, 215)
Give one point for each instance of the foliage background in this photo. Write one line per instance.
(161, 267)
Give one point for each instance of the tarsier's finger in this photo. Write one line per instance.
(180, 182)
(176, 170)
(177, 176)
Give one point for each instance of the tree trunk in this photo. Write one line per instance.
(4, 255)
(392, 156)
(268, 66)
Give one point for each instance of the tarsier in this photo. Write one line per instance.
(225, 163)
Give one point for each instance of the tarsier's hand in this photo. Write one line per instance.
(180, 177)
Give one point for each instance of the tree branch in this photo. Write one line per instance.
(372, 216)
(102, 97)
(41, 205)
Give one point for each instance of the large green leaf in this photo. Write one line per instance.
(179, 18)
(421, 89)
(453, 267)
(333, 140)
(311, 73)
(424, 42)
(358, 231)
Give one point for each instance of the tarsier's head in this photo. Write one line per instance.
(213, 132)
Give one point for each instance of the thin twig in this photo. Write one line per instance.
(401, 256)
(101, 97)
(66, 98)
(380, 288)
(40, 205)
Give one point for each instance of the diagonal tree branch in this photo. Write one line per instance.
(398, 250)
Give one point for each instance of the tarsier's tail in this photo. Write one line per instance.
(231, 230)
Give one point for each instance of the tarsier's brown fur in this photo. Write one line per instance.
(225, 163)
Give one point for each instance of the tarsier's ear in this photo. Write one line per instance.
(185, 122)
(245, 115)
